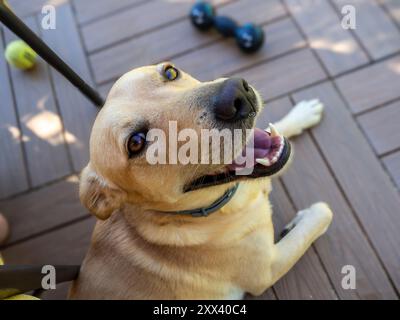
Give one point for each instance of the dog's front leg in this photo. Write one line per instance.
(303, 115)
(304, 229)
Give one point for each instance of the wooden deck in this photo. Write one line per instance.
(351, 160)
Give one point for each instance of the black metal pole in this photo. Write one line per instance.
(11, 21)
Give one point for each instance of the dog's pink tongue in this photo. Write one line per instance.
(262, 139)
(260, 149)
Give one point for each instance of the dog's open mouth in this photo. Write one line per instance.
(268, 155)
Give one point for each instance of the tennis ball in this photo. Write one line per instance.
(20, 55)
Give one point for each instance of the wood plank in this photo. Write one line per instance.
(134, 21)
(25, 8)
(267, 295)
(165, 43)
(392, 163)
(12, 168)
(256, 11)
(150, 48)
(371, 86)
(88, 10)
(308, 180)
(393, 6)
(376, 31)
(360, 175)
(66, 246)
(282, 36)
(285, 74)
(381, 126)
(104, 89)
(43, 209)
(78, 113)
(40, 122)
(335, 46)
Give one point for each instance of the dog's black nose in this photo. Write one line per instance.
(235, 101)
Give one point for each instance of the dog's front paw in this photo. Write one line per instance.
(323, 214)
(319, 213)
(306, 114)
(292, 223)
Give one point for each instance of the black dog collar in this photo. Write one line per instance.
(205, 211)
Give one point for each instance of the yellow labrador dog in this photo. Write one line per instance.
(185, 230)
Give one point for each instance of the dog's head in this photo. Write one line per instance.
(153, 143)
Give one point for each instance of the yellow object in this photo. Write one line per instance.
(20, 55)
(6, 4)
(22, 297)
(18, 296)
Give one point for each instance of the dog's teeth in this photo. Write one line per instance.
(274, 132)
(282, 145)
(264, 162)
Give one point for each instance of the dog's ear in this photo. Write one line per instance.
(97, 195)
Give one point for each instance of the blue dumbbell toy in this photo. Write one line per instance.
(202, 15)
(249, 37)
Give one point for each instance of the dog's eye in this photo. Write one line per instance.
(171, 73)
(136, 143)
